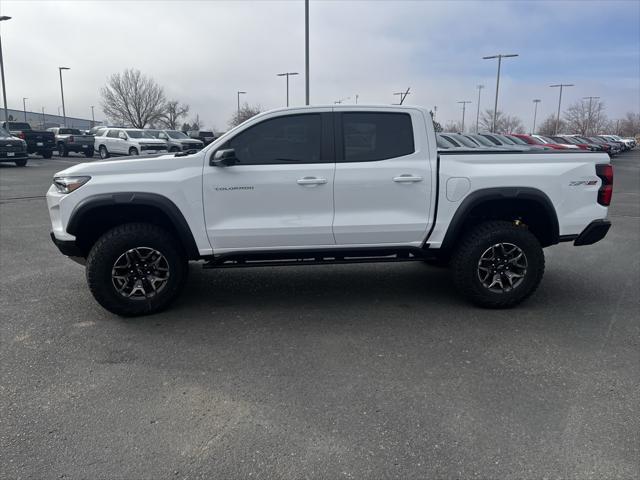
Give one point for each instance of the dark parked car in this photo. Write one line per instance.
(73, 140)
(12, 149)
(38, 141)
(205, 136)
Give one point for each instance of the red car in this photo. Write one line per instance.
(534, 141)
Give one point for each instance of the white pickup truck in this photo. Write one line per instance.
(322, 185)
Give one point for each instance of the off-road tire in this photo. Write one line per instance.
(89, 153)
(116, 242)
(62, 150)
(21, 163)
(47, 154)
(133, 152)
(466, 257)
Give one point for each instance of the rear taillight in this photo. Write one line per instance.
(605, 192)
(21, 135)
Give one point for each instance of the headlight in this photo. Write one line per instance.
(69, 184)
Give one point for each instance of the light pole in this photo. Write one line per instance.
(64, 113)
(536, 101)
(287, 74)
(4, 89)
(479, 87)
(24, 107)
(589, 116)
(93, 118)
(464, 105)
(495, 105)
(403, 95)
(239, 93)
(357, 98)
(43, 120)
(59, 107)
(306, 50)
(561, 85)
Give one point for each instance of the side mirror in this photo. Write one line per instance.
(224, 158)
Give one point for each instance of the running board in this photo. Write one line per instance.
(326, 257)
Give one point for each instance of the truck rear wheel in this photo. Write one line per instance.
(104, 153)
(21, 163)
(47, 154)
(136, 269)
(498, 264)
(62, 150)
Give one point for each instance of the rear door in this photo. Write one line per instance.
(280, 193)
(383, 177)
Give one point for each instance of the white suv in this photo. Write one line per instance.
(128, 141)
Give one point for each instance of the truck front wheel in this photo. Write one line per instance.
(498, 264)
(136, 269)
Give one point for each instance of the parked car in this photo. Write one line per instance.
(13, 149)
(548, 140)
(72, 140)
(624, 145)
(276, 192)
(519, 141)
(205, 136)
(534, 140)
(459, 140)
(504, 141)
(128, 141)
(568, 139)
(177, 141)
(614, 147)
(39, 142)
(95, 130)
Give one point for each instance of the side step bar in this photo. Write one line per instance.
(318, 257)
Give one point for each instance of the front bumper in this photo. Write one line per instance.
(69, 248)
(594, 232)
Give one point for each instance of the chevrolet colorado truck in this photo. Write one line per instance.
(327, 185)
(40, 142)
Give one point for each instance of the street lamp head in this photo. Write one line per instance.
(241, 93)
(4, 17)
(64, 68)
(536, 100)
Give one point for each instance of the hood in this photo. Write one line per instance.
(130, 165)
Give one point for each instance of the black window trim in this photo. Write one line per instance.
(339, 135)
(327, 148)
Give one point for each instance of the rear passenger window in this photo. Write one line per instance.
(368, 137)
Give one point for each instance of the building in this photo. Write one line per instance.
(45, 120)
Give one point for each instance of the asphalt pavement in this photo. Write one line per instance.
(349, 371)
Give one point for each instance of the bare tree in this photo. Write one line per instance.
(504, 123)
(452, 126)
(196, 123)
(585, 117)
(172, 114)
(629, 126)
(133, 98)
(245, 113)
(548, 126)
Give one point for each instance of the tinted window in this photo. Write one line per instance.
(376, 136)
(69, 131)
(290, 139)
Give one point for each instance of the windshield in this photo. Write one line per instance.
(154, 133)
(138, 134)
(443, 143)
(69, 131)
(206, 134)
(480, 139)
(548, 140)
(516, 140)
(464, 141)
(505, 140)
(175, 134)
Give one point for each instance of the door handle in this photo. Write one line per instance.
(311, 181)
(407, 178)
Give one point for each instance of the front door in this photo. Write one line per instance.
(279, 194)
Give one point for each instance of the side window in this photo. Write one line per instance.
(112, 134)
(376, 136)
(288, 139)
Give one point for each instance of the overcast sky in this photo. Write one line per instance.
(202, 52)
